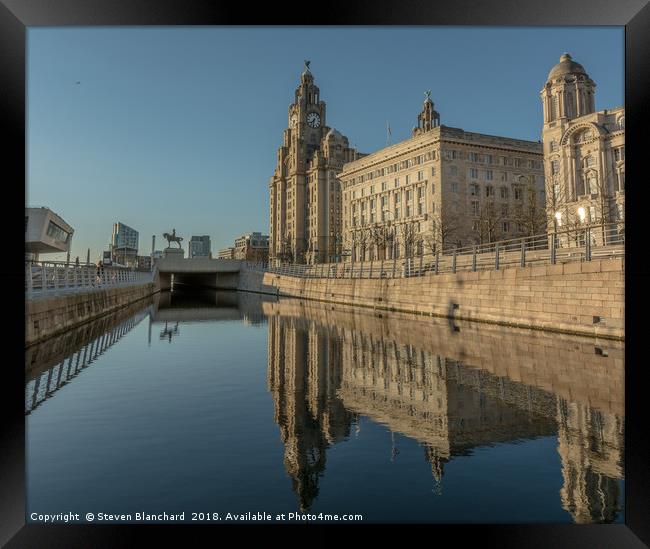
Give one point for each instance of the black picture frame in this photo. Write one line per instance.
(16, 15)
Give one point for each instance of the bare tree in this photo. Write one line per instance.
(381, 236)
(530, 215)
(286, 253)
(443, 229)
(489, 220)
(360, 240)
(409, 236)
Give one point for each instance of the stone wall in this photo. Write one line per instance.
(47, 317)
(564, 298)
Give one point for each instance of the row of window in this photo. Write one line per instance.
(517, 162)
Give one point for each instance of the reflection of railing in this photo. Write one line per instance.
(51, 278)
(41, 388)
(583, 243)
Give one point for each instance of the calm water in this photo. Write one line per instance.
(229, 402)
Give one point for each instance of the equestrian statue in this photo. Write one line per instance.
(173, 238)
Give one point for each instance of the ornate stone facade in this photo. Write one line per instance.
(584, 151)
(305, 201)
(441, 188)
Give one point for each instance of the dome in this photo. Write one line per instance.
(566, 66)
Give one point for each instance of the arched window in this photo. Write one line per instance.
(621, 123)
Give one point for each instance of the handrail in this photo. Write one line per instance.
(51, 277)
(582, 243)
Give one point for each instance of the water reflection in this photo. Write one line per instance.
(453, 389)
(450, 392)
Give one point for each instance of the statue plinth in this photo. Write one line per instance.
(174, 252)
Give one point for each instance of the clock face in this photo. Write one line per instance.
(313, 119)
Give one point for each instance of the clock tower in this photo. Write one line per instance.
(303, 189)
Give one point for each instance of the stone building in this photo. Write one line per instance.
(200, 246)
(252, 247)
(584, 151)
(441, 188)
(305, 203)
(226, 253)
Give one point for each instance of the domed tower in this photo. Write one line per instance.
(568, 92)
(428, 118)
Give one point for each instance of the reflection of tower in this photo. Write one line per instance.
(590, 444)
(432, 455)
(303, 376)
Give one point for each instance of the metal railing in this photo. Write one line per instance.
(577, 244)
(54, 278)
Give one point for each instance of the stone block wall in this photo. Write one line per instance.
(49, 316)
(580, 298)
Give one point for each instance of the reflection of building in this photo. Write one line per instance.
(303, 377)
(442, 187)
(200, 246)
(252, 247)
(124, 244)
(590, 444)
(327, 364)
(226, 253)
(305, 195)
(584, 150)
(46, 232)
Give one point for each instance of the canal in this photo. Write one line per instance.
(228, 402)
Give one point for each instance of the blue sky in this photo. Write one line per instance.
(178, 127)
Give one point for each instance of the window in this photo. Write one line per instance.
(621, 124)
(555, 167)
(372, 203)
(473, 173)
(519, 195)
(398, 196)
(453, 170)
(433, 171)
(383, 186)
(517, 162)
(589, 161)
(454, 187)
(409, 195)
(504, 176)
(553, 145)
(397, 213)
(475, 208)
(620, 181)
(383, 202)
(474, 189)
(592, 214)
(489, 175)
(56, 232)
(556, 191)
(420, 175)
(420, 208)
(408, 210)
(592, 182)
(488, 159)
(372, 189)
(474, 157)
(504, 210)
(619, 154)
(620, 211)
(505, 226)
(396, 182)
(475, 226)
(504, 192)
(489, 191)
(433, 189)
(420, 192)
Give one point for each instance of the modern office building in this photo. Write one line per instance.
(124, 244)
(252, 247)
(443, 187)
(305, 194)
(584, 151)
(200, 246)
(45, 232)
